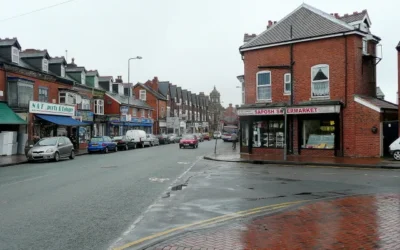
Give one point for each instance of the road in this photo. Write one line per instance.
(89, 202)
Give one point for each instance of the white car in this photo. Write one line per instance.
(151, 140)
(139, 136)
(217, 135)
(394, 149)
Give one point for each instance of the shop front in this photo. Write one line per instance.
(85, 132)
(99, 126)
(55, 120)
(114, 126)
(162, 127)
(311, 130)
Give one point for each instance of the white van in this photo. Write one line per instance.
(139, 136)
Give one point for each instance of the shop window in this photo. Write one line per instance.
(19, 94)
(264, 86)
(268, 134)
(99, 107)
(287, 82)
(85, 104)
(43, 94)
(245, 134)
(84, 134)
(318, 134)
(320, 81)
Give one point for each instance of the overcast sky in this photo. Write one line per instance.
(190, 43)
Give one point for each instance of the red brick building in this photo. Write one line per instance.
(230, 115)
(320, 69)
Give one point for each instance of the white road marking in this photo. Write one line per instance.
(329, 173)
(29, 179)
(155, 179)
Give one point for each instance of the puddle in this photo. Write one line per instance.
(285, 179)
(179, 187)
(304, 193)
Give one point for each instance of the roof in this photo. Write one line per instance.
(355, 17)
(306, 21)
(375, 103)
(57, 60)
(179, 90)
(155, 93)
(33, 53)
(184, 94)
(163, 88)
(92, 73)
(193, 98)
(173, 91)
(398, 46)
(105, 78)
(379, 92)
(75, 69)
(132, 101)
(10, 42)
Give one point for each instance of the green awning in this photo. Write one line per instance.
(7, 116)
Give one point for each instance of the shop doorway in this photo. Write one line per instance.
(390, 134)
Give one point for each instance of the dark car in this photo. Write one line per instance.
(189, 140)
(123, 143)
(163, 139)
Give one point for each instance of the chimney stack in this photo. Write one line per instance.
(337, 15)
(346, 15)
(248, 37)
(270, 23)
(119, 79)
(355, 13)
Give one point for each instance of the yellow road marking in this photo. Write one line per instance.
(212, 221)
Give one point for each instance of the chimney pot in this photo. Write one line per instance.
(346, 15)
(355, 13)
(336, 15)
(73, 60)
(364, 11)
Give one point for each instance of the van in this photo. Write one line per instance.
(139, 136)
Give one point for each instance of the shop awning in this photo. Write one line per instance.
(61, 120)
(7, 116)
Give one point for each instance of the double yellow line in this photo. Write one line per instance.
(212, 221)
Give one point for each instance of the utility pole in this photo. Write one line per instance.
(129, 78)
(284, 136)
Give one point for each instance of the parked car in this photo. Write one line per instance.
(163, 139)
(172, 138)
(51, 148)
(137, 135)
(151, 140)
(226, 137)
(217, 135)
(101, 144)
(394, 149)
(178, 138)
(189, 140)
(123, 143)
(206, 136)
(200, 137)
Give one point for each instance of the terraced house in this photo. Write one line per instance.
(319, 69)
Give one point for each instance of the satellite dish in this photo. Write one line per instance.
(78, 99)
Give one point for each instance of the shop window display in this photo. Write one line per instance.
(245, 134)
(318, 134)
(268, 134)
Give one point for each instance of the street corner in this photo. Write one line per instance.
(352, 222)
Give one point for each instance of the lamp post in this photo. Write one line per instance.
(129, 75)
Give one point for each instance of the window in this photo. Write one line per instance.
(15, 55)
(45, 65)
(287, 83)
(167, 97)
(134, 112)
(365, 46)
(62, 72)
(175, 113)
(83, 78)
(67, 98)
(96, 82)
(99, 107)
(150, 114)
(85, 104)
(318, 134)
(162, 112)
(264, 86)
(320, 81)
(268, 134)
(142, 95)
(143, 112)
(243, 94)
(19, 94)
(245, 134)
(43, 94)
(168, 111)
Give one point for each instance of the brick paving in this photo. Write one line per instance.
(361, 222)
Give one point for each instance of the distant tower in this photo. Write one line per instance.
(215, 96)
(215, 109)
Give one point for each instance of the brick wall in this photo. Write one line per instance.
(267, 151)
(317, 152)
(111, 109)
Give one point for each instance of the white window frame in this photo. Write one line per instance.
(15, 55)
(99, 107)
(264, 86)
(83, 78)
(142, 94)
(62, 71)
(150, 113)
(85, 104)
(69, 98)
(142, 112)
(96, 82)
(285, 82)
(134, 112)
(162, 112)
(365, 46)
(312, 82)
(167, 97)
(45, 65)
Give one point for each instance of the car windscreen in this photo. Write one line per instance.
(96, 139)
(47, 142)
(117, 138)
(190, 137)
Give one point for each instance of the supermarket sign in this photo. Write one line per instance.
(51, 109)
(290, 111)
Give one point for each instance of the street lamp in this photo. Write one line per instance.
(129, 75)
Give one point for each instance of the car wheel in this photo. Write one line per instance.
(116, 149)
(151, 144)
(134, 145)
(126, 147)
(396, 155)
(89, 152)
(106, 150)
(56, 157)
(72, 155)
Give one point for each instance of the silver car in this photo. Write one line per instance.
(51, 148)
(151, 140)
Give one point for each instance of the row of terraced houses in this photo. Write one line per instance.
(45, 96)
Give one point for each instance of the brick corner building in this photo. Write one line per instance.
(323, 77)
(398, 79)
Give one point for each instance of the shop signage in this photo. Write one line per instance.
(87, 116)
(183, 124)
(205, 124)
(113, 119)
(124, 110)
(163, 124)
(50, 108)
(290, 111)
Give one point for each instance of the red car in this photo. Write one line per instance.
(189, 141)
(206, 136)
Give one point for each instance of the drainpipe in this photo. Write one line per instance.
(291, 96)
(157, 123)
(345, 95)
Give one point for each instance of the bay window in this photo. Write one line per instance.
(264, 86)
(99, 107)
(320, 81)
(85, 104)
(20, 93)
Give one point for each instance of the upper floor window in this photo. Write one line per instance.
(143, 115)
(43, 94)
(150, 113)
(45, 65)
(320, 81)
(287, 83)
(365, 46)
(167, 97)
(162, 112)
(19, 94)
(83, 78)
(67, 98)
(142, 95)
(85, 104)
(96, 82)
(99, 107)
(264, 86)
(243, 94)
(15, 55)
(134, 112)
(62, 71)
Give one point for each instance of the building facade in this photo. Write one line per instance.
(322, 79)
(215, 110)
